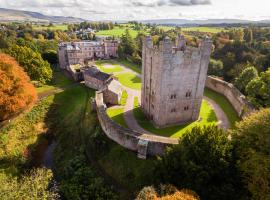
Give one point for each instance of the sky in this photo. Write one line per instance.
(146, 9)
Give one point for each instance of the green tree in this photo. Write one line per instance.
(258, 90)
(203, 162)
(32, 62)
(245, 77)
(251, 139)
(127, 46)
(32, 186)
(215, 67)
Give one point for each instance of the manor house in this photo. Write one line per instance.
(173, 80)
(70, 53)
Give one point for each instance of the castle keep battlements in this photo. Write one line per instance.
(173, 80)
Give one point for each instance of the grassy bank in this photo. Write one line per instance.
(225, 105)
(207, 117)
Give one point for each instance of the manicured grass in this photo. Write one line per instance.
(115, 66)
(130, 80)
(117, 115)
(124, 97)
(225, 105)
(117, 32)
(130, 65)
(207, 117)
(53, 28)
(59, 81)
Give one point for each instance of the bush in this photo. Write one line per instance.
(16, 91)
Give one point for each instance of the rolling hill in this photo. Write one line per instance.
(7, 15)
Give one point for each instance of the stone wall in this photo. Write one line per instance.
(235, 97)
(155, 145)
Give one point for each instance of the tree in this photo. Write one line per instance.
(16, 91)
(203, 162)
(245, 77)
(215, 67)
(251, 139)
(258, 90)
(34, 185)
(127, 46)
(32, 62)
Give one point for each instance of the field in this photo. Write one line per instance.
(117, 32)
(207, 117)
(61, 27)
(197, 29)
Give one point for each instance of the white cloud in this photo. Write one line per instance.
(145, 9)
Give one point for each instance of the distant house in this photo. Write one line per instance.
(70, 53)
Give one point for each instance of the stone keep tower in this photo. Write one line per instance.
(173, 80)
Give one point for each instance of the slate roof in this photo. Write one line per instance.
(95, 73)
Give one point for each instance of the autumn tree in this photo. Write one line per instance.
(16, 91)
(32, 62)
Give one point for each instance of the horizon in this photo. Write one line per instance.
(137, 10)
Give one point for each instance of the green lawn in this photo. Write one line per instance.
(130, 80)
(117, 32)
(115, 66)
(207, 116)
(204, 29)
(130, 65)
(225, 105)
(124, 97)
(61, 27)
(59, 81)
(117, 115)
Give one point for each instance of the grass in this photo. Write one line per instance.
(130, 80)
(225, 105)
(203, 29)
(61, 27)
(58, 81)
(117, 115)
(207, 116)
(130, 65)
(124, 97)
(117, 32)
(115, 66)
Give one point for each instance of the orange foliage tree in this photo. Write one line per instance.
(16, 91)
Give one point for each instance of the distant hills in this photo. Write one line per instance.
(8, 15)
(203, 22)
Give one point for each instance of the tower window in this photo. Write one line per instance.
(188, 94)
(186, 108)
(173, 110)
(173, 96)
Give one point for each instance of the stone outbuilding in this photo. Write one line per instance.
(104, 82)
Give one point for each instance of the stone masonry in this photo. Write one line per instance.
(173, 80)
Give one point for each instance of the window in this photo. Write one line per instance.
(188, 94)
(153, 106)
(173, 96)
(173, 110)
(186, 108)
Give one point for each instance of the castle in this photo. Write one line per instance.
(173, 80)
(70, 53)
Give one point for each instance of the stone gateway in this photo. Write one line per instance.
(173, 80)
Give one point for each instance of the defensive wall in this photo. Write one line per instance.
(144, 144)
(235, 97)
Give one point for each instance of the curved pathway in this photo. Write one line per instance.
(223, 121)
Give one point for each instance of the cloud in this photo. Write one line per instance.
(159, 3)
